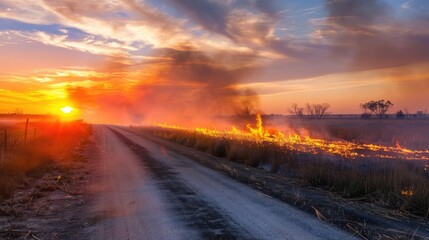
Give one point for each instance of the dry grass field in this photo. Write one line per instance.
(392, 181)
(46, 142)
(409, 133)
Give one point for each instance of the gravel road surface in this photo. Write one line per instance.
(145, 191)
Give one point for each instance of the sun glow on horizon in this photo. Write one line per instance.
(67, 109)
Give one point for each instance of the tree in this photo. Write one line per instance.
(365, 114)
(245, 108)
(246, 103)
(296, 110)
(364, 108)
(400, 114)
(317, 110)
(379, 108)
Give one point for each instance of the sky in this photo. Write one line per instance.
(148, 61)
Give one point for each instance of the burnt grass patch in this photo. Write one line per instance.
(197, 213)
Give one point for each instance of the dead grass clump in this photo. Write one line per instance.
(7, 184)
(400, 186)
(34, 158)
(220, 148)
(250, 153)
(26, 162)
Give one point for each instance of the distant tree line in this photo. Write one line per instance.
(381, 107)
(378, 108)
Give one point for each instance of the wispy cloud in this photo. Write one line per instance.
(88, 44)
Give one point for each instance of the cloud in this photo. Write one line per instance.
(182, 57)
(374, 37)
(212, 15)
(269, 8)
(88, 44)
(241, 25)
(27, 11)
(95, 18)
(250, 23)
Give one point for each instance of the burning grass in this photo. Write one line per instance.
(33, 158)
(393, 177)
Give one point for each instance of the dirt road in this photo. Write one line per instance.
(144, 191)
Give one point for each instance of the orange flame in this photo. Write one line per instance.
(259, 132)
(312, 145)
(407, 192)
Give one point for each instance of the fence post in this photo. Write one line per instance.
(26, 129)
(5, 139)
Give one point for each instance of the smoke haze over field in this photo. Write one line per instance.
(187, 61)
(188, 85)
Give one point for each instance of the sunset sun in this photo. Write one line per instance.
(67, 109)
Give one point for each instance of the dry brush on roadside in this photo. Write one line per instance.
(33, 158)
(392, 183)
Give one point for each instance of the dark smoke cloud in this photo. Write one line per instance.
(223, 18)
(373, 37)
(191, 87)
(188, 84)
(196, 66)
(213, 79)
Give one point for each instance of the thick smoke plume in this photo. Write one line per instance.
(187, 87)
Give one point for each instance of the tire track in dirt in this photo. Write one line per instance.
(190, 207)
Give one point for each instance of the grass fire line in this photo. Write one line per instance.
(392, 175)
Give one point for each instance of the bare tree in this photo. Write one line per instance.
(317, 110)
(245, 109)
(19, 111)
(246, 103)
(309, 109)
(296, 110)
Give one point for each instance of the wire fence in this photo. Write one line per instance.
(15, 135)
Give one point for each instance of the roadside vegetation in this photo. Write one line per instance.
(30, 153)
(409, 133)
(392, 183)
